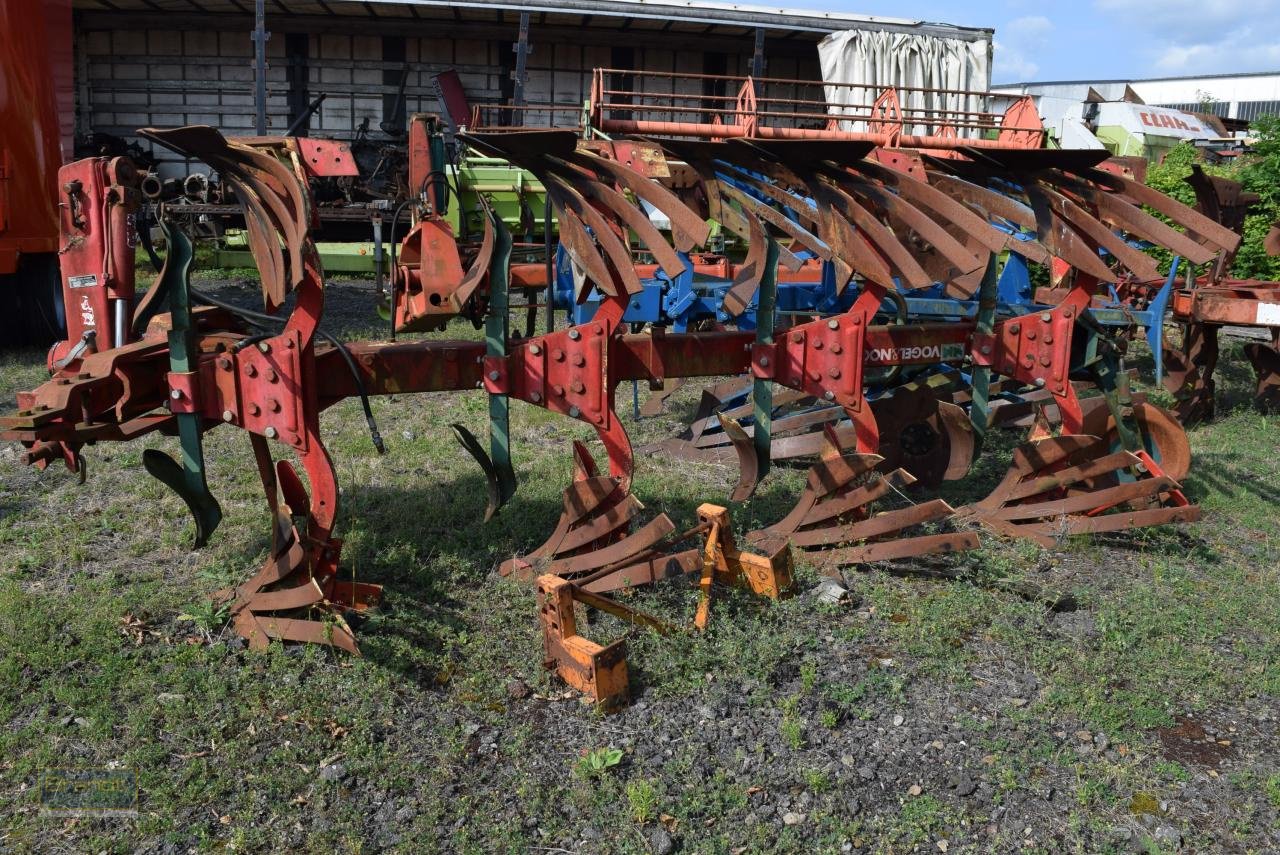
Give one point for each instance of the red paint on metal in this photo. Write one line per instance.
(1022, 126)
(563, 371)
(184, 394)
(887, 113)
(902, 161)
(400, 368)
(428, 271)
(647, 127)
(420, 165)
(1036, 349)
(752, 114)
(260, 389)
(825, 358)
(1238, 302)
(99, 197)
(326, 158)
(454, 98)
(35, 66)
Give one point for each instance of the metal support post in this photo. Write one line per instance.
(549, 247)
(762, 390)
(522, 63)
(496, 335)
(757, 58)
(260, 37)
(981, 375)
(379, 259)
(187, 478)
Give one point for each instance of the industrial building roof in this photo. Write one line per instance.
(1139, 79)
(664, 16)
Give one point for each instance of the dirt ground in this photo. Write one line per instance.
(1129, 706)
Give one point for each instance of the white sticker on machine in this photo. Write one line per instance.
(1268, 315)
(86, 281)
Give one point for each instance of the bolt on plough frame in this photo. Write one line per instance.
(883, 218)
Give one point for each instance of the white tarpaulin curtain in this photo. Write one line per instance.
(876, 60)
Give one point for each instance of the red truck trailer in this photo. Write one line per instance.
(36, 123)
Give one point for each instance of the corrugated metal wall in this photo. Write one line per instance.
(158, 77)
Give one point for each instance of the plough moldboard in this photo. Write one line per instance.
(880, 319)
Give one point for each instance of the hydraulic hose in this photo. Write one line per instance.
(395, 219)
(267, 322)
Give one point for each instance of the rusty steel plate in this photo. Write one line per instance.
(1036, 159)
(806, 151)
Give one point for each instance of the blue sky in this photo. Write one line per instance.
(1104, 39)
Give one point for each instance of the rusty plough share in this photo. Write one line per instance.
(906, 402)
(865, 225)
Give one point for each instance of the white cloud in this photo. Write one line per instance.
(1185, 20)
(1030, 26)
(1224, 56)
(1199, 36)
(1016, 44)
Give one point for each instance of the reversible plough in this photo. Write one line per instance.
(880, 392)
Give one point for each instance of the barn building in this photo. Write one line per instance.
(173, 62)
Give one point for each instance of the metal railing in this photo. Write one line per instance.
(526, 117)
(659, 103)
(626, 101)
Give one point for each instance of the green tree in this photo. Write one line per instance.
(1258, 172)
(1168, 176)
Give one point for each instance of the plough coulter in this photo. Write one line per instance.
(879, 317)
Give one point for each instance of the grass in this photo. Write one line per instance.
(921, 818)
(642, 799)
(109, 655)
